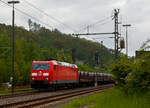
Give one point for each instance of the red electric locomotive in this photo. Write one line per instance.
(52, 73)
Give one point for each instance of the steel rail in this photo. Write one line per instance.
(55, 98)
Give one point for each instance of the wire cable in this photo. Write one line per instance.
(96, 23)
(49, 16)
(28, 15)
(100, 22)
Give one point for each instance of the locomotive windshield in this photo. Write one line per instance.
(40, 66)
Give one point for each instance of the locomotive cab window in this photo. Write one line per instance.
(41, 66)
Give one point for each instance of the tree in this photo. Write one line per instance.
(41, 44)
(5, 64)
(120, 70)
(33, 26)
(74, 55)
(145, 45)
(30, 24)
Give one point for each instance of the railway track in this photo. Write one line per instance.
(26, 92)
(54, 98)
(22, 93)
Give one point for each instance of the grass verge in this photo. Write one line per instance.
(5, 92)
(113, 98)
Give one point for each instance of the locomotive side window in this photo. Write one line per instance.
(40, 66)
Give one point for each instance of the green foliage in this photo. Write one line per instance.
(86, 68)
(132, 77)
(4, 57)
(138, 80)
(120, 70)
(42, 44)
(113, 98)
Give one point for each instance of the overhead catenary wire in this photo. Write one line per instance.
(28, 15)
(99, 22)
(104, 23)
(48, 15)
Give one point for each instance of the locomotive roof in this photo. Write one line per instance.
(41, 61)
(58, 63)
(66, 64)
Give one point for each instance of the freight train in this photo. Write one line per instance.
(53, 73)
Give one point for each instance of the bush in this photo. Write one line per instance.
(120, 70)
(132, 77)
(139, 79)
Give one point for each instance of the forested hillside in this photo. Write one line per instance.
(43, 44)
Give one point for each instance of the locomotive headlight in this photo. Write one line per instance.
(45, 74)
(34, 74)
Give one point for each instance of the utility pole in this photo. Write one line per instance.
(12, 42)
(116, 33)
(88, 29)
(126, 26)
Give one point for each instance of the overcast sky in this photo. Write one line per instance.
(72, 16)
